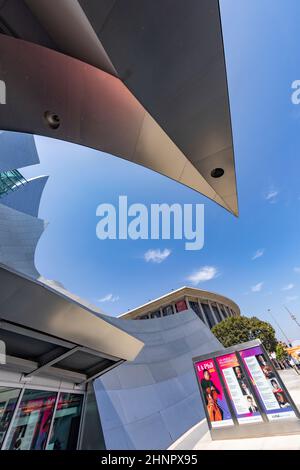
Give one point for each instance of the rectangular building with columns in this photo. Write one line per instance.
(210, 307)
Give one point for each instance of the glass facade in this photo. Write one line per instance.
(168, 310)
(227, 310)
(66, 422)
(8, 401)
(10, 180)
(208, 314)
(31, 424)
(217, 313)
(224, 313)
(195, 306)
(39, 413)
(155, 314)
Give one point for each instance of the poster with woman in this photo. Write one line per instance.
(213, 396)
(274, 399)
(239, 389)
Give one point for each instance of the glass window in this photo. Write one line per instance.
(197, 310)
(155, 314)
(208, 315)
(228, 311)
(10, 180)
(8, 400)
(224, 313)
(217, 313)
(167, 310)
(66, 423)
(31, 424)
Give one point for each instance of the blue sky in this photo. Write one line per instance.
(262, 54)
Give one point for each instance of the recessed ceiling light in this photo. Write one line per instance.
(52, 119)
(217, 172)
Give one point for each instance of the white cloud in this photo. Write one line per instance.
(257, 287)
(258, 253)
(291, 298)
(157, 256)
(288, 287)
(109, 298)
(206, 273)
(297, 270)
(271, 195)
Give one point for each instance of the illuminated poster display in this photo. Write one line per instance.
(213, 397)
(274, 400)
(243, 395)
(237, 385)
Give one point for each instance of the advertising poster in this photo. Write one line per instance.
(237, 386)
(273, 397)
(213, 394)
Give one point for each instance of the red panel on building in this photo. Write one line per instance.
(181, 305)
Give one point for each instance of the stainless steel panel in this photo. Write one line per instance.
(75, 36)
(93, 109)
(170, 55)
(28, 303)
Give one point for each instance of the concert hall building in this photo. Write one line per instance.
(144, 81)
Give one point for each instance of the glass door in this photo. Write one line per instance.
(64, 434)
(8, 399)
(31, 424)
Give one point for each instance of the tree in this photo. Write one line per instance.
(281, 352)
(235, 330)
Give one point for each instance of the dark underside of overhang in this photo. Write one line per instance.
(32, 353)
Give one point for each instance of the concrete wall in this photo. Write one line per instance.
(150, 402)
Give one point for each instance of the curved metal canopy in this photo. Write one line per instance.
(38, 306)
(149, 86)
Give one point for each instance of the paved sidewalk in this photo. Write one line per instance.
(198, 437)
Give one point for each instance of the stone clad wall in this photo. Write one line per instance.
(150, 402)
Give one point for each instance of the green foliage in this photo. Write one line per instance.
(281, 352)
(235, 330)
